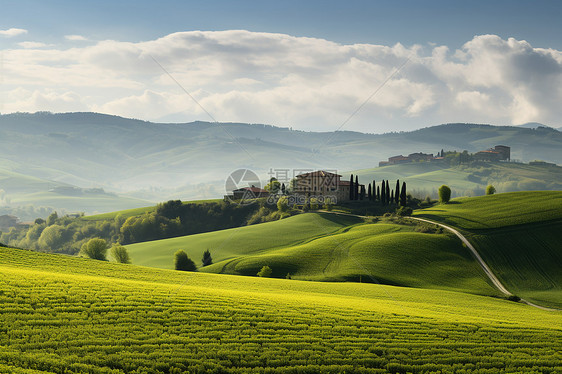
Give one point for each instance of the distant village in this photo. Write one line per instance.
(498, 153)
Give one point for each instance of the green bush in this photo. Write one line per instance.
(120, 254)
(265, 272)
(95, 249)
(444, 194)
(490, 190)
(184, 263)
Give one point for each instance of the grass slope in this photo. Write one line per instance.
(328, 247)
(517, 234)
(426, 177)
(138, 211)
(64, 314)
(226, 244)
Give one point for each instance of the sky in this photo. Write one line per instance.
(370, 66)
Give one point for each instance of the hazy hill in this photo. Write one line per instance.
(157, 161)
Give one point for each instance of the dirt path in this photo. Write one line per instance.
(496, 282)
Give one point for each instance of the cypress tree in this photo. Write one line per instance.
(391, 196)
(369, 193)
(378, 193)
(362, 192)
(374, 190)
(351, 188)
(387, 194)
(383, 192)
(356, 193)
(403, 194)
(397, 192)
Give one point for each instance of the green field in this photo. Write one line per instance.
(328, 247)
(63, 314)
(517, 234)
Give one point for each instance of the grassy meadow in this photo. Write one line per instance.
(517, 234)
(73, 315)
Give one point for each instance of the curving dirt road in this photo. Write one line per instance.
(495, 281)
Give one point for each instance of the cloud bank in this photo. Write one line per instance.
(12, 32)
(307, 83)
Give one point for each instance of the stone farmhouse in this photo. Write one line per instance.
(322, 183)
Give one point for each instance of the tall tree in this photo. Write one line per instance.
(397, 192)
(387, 193)
(403, 194)
(378, 193)
(362, 192)
(374, 190)
(283, 189)
(351, 188)
(383, 192)
(369, 193)
(356, 192)
(207, 259)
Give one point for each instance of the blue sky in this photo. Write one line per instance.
(450, 23)
(470, 61)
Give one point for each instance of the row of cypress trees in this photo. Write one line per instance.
(383, 193)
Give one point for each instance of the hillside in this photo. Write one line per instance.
(23, 195)
(517, 234)
(67, 314)
(328, 247)
(424, 178)
(156, 161)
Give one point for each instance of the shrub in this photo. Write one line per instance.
(514, 298)
(444, 194)
(95, 248)
(283, 204)
(184, 263)
(120, 254)
(490, 190)
(404, 211)
(207, 259)
(265, 272)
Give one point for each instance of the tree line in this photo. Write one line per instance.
(382, 193)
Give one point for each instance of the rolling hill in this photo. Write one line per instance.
(75, 315)
(424, 178)
(158, 161)
(517, 234)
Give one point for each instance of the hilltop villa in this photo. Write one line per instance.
(322, 183)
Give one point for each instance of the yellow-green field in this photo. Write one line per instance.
(70, 315)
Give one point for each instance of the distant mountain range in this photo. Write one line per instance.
(192, 160)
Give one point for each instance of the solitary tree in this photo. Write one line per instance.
(120, 254)
(403, 194)
(490, 190)
(265, 272)
(207, 259)
(444, 194)
(351, 188)
(184, 263)
(397, 192)
(95, 248)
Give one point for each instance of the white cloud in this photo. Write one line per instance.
(30, 45)
(75, 38)
(306, 83)
(12, 32)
